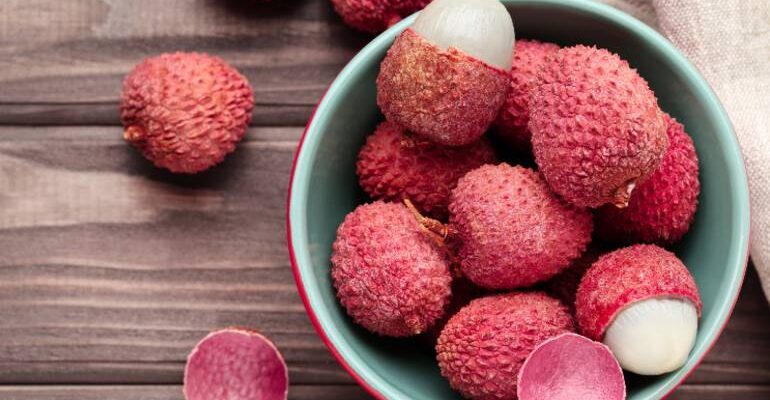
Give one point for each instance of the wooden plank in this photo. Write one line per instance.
(146, 392)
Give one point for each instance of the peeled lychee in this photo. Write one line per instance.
(446, 77)
(529, 56)
(393, 166)
(482, 347)
(185, 111)
(642, 302)
(662, 207)
(390, 276)
(571, 367)
(511, 230)
(235, 363)
(597, 130)
(375, 16)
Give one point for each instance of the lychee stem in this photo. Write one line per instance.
(431, 225)
(133, 133)
(623, 195)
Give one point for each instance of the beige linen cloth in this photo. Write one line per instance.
(729, 42)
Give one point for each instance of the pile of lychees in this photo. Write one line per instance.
(497, 260)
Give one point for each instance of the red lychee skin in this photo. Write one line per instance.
(374, 16)
(625, 276)
(529, 56)
(596, 127)
(511, 230)
(185, 111)
(390, 277)
(483, 346)
(564, 285)
(235, 363)
(447, 97)
(393, 166)
(661, 208)
(463, 292)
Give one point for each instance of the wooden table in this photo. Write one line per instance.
(111, 269)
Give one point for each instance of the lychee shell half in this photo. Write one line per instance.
(376, 16)
(236, 364)
(661, 208)
(482, 347)
(597, 130)
(185, 111)
(571, 367)
(511, 230)
(623, 277)
(390, 277)
(529, 56)
(447, 97)
(394, 166)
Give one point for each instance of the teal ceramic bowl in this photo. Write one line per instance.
(324, 188)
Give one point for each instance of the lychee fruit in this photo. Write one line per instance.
(375, 16)
(446, 77)
(394, 166)
(390, 276)
(529, 56)
(463, 292)
(642, 302)
(483, 346)
(597, 130)
(571, 367)
(235, 363)
(511, 231)
(662, 207)
(185, 111)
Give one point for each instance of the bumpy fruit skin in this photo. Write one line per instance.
(564, 285)
(483, 346)
(394, 166)
(511, 230)
(235, 363)
(375, 16)
(661, 208)
(626, 276)
(447, 97)
(596, 127)
(185, 111)
(389, 276)
(529, 56)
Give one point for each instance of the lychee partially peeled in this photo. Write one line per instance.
(511, 123)
(483, 346)
(235, 363)
(571, 367)
(642, 302)
(390, 276)
(662, 207)
(393, 166)
(446, 77)
(597, 130)
(185, 111)
(375, 16)
(512, 231)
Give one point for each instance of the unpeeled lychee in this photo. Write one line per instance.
(597, 130)
(511, 231)
(390, 276)
(393, 166)
(185, 111)
(375, 16)
(446, 77)
(235, 363)
(662, 207)
(529, 56)
(482, 347)
(642, 302)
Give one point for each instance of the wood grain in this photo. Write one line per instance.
(111, 269)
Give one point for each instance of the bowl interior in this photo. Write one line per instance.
(325, 188)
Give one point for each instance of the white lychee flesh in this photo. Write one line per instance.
(653, 336)
(480, 28)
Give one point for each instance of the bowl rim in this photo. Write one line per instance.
(308, 143)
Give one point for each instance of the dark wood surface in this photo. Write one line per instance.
(111, 270)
